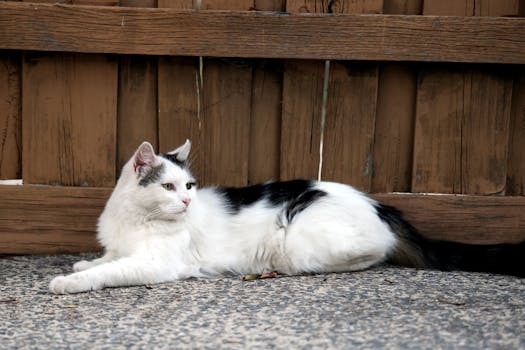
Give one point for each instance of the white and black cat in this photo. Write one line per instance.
(157, 227)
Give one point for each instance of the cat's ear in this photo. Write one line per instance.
(182, 153)
(144, 158)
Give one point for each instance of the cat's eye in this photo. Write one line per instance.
(189, 185)
(168, 186)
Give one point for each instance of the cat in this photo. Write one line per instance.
(157, 227)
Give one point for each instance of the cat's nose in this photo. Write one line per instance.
(186, 201)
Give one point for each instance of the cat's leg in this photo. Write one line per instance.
(122, 272)
(85, 264)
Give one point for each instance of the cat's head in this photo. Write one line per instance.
(160, 185)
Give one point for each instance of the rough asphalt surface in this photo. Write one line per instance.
(385, 307)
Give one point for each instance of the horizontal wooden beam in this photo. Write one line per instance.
(463, 218)
(47, 219)
(42, 219)
(91, 29)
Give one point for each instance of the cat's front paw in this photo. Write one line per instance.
(82, 265)
(70, 284)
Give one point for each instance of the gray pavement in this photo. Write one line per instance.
(385, 307)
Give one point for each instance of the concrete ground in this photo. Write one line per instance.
(385, 307)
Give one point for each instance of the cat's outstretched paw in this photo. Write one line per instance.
(82, 265)
(70, 284)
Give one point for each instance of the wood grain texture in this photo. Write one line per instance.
(265, 109)
(394, 128)
(226, 122)
(227, 92)
(456, 109)
(472, 8)
(516, 165)
(303, 86)
(468, 219)
(485, 131)
(350, 124)
(437, 138)
(301, 119)
(63, 219)
(10, 117)
(45, 220)
(403, 7)
(265, 128)
(69, 119)
(180, 100)
(137, 99)
(210, 104)
(198, 33)
(350, 110)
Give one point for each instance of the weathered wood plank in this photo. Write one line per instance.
(43, 219)
(10, 117)
(137, 99)
(437, 136)
(180, 100)
(469, 219)
(265, 128)
(350, 110)
(226, 110)
(457, 108)
(394, 129)
(69, 114)
(260, 34)
(350, 123)
(63, 219)
(485, 131)
(266, 109)
(226, 122)
(303, 85)
(516, 164)
(301, 119)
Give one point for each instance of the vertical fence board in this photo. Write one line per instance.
(137, 99)
(302, 106)
(456, 162)
(10, 117)
(180, 100)
(226, 121)
(266, 108)
(179, 115)
(69, 113)
(516, 165)
(347, 149)
(265, 129)
(215, 110)
(485, 131)
(394, 129)
(69, 119)
(350, 123)
(301, 119)
(437, 140)
(226, 110)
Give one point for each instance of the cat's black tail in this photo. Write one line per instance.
(414, 250)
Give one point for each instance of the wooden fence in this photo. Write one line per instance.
(408, 98)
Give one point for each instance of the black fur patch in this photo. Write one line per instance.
(173, 158)
(299, 194)
(302, 202)
(410, 246)
(152, 175)
(414, 250)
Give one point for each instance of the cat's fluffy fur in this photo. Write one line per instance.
(157, 227)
